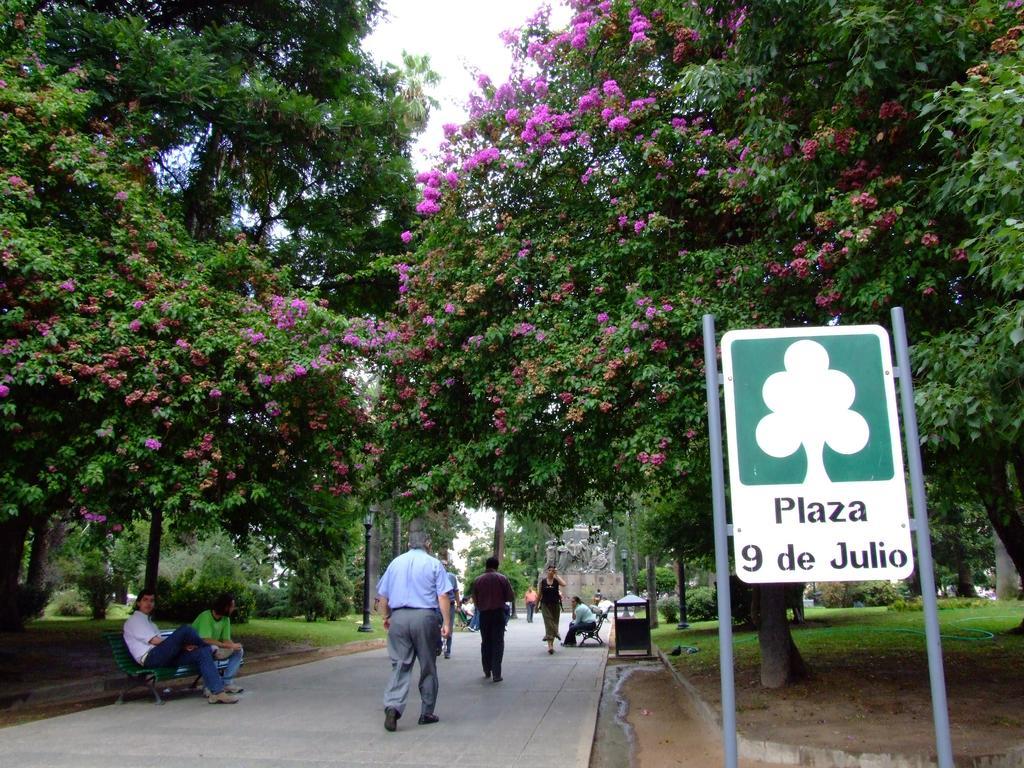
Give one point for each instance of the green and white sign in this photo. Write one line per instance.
(815, 459)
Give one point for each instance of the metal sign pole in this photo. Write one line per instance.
(940, 711)
(721, 546)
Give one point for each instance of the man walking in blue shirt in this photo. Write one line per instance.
(412, 588)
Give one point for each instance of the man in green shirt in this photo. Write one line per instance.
(214, 626)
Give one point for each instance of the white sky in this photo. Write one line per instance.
(458, 35)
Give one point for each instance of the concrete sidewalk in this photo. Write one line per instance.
(329, 713)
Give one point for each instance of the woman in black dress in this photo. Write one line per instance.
(551, 604)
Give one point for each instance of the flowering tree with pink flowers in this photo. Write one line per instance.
(143, 373)
(655, 161)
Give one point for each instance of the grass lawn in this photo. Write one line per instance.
(265, 631)
(318, 633)
(836, 634)
(868, 686)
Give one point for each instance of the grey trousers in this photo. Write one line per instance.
(414, 634)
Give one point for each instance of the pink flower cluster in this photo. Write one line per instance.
(483, 157)
(639, 24)
(432, 187)
(91, 517)
(285, 313)
(655, 459)
(403, 278)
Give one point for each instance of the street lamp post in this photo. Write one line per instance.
(367, 524)
(625, 578)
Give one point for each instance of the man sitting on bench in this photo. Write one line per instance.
(584, 620)
(184, 646)
(214, 626)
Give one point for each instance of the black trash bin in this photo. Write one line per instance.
(632, 626)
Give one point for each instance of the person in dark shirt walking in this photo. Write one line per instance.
(491, 591)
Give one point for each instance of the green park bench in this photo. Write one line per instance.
(149, 676)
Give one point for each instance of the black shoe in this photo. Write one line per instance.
(428, 719)
(497, 679)
(487, 673)
(391, 718)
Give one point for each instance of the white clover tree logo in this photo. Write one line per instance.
(810, 406)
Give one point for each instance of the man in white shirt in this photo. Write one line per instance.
(604, 605)
(184, 646)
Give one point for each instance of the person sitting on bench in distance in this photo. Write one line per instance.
(184, 646)
(584, 620)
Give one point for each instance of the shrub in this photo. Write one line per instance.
(271, 603)
(835, 594)
(96, 584)
(188, 595)
(32, 601)
(69, 602)
(701, 604)
(963, 602)
(847, 594)
(665, 578)
(878, 593)
(669, 608)
(320, 591)
(902, 605)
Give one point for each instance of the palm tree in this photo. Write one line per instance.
(415, 78)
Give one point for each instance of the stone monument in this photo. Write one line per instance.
(586, 560)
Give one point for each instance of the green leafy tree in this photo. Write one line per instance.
(969, 399)
(141, 371)
(320, 590)
(263, 116)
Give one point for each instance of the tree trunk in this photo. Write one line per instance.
(156, 525)
(396, 533)
(202, 208)
(374, 555)
(499, 533)
(652, 591)
(781, 663)
(12, 546)
(681, 589)
(1000, 504)
(914, 583)
(35, 576)
(1007, 579)
(964, 577)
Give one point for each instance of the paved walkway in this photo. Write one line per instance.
(329, 713)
